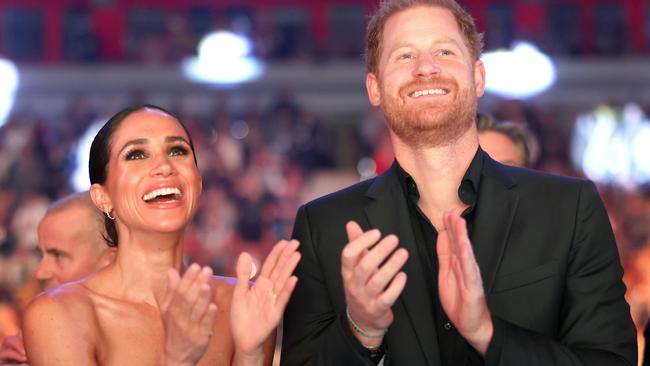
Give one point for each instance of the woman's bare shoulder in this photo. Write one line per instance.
(59, 323)
(68, 303)
(69, 298)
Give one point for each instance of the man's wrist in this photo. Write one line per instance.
(369, 339)
(483, 337)
(363, 347)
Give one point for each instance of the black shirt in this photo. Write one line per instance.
(454, 350)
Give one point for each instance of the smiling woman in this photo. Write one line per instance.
(147, 308)
(131, 150)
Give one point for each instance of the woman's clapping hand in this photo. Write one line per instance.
(257, 309)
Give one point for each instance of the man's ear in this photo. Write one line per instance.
(372, 87)
(479, 77)
(100, 198)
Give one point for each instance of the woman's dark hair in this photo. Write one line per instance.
(100, 152)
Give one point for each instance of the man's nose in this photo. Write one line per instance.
(426, 66)
(44, 270)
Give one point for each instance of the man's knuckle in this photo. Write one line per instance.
(365, 266)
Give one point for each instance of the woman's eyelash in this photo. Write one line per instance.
(135, 155)
(178, 150)
(138, 154)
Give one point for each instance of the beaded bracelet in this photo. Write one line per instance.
(360, 330)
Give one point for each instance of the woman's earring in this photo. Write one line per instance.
(108, 214)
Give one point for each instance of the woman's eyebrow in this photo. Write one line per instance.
(134, 142)
(175, 139)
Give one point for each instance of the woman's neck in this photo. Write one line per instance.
(140, 270)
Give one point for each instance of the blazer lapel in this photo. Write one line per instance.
(496, 207)
(388, 212)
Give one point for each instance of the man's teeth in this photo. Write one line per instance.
(420, 93)
(161, 192)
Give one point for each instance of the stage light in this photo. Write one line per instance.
(9, 79)
(80, 179)
(223, 58)
(612, 146)
(520, 73)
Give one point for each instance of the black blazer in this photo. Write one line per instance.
(548, 260)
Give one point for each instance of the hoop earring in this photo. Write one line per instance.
(108, 214)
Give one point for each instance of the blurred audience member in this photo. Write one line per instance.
(8, 316)
(71, 240)
(507, 142)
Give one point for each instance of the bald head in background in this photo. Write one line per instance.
(71, 238)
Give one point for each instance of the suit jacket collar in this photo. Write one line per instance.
(388, 211)
(497, 203)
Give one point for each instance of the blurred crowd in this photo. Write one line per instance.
(125, 30)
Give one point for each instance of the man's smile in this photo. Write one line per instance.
(425, 92)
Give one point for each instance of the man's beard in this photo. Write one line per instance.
(433, 124)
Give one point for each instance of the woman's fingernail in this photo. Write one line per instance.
(253, 270)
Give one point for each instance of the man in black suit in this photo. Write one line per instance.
(450, 258)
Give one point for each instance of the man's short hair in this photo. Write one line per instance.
(387, 8)
(518, 133)
(80, 199)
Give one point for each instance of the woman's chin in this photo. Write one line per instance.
(168, 226)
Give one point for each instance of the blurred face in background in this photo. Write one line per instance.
(72, 245)
(501, 148)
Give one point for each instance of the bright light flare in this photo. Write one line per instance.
(80, 179)
(520, 73)
(9, 79)
(223, 58)
(612, 146)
